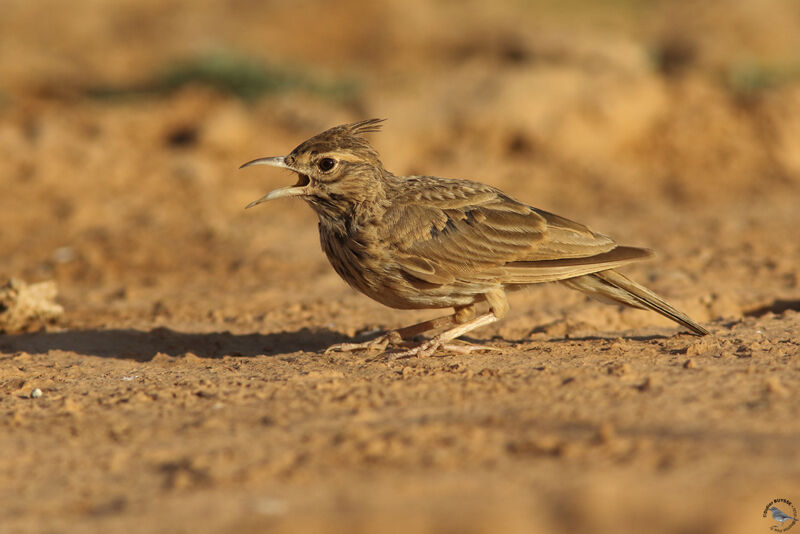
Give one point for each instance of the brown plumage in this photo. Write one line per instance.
(415, 242)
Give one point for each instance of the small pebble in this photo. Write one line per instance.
(36, 393)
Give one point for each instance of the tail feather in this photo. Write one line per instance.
(610, 285)
(532, 272)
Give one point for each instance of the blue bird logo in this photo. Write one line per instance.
(779, 516)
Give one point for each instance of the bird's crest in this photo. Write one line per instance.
(364, 127)
(347, 138)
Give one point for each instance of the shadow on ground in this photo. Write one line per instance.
(141, 345)
(777, 307)
(144, 345)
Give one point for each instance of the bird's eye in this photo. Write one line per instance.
(326, 164)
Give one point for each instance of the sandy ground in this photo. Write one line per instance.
(185, 388)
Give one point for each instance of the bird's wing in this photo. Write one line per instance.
(444, 230)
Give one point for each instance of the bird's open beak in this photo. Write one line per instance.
(292, 191)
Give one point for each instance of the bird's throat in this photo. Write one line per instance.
(302, 180)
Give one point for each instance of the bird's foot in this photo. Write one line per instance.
(379, 344)
(430, 347)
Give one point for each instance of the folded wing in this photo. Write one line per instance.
(467, 231)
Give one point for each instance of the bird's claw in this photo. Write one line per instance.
(379, 344)
(425, 349)
(429, 348)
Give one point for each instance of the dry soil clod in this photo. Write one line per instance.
(25, 305)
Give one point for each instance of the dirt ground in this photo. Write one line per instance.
(185, 388)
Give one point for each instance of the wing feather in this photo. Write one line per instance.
(445, 230)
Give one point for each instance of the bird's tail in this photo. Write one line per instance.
(612, 286)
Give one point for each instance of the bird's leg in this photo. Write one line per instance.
(407, 332)
(442, 340)
(498, 305)
(395, 337)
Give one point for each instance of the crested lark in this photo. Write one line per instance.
(415, 242)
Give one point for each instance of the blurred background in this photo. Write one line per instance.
(122, 123)
(671, 124)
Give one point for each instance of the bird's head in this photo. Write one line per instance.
(335, 168)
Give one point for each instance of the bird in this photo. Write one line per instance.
(779, 516)
(423, 242)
